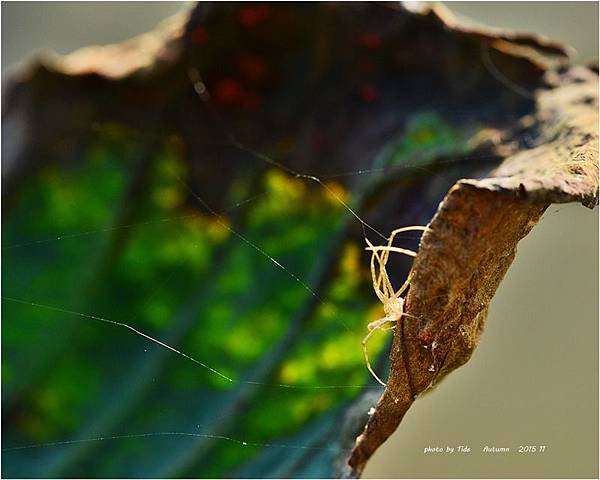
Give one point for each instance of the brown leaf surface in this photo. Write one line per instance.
(473, 241)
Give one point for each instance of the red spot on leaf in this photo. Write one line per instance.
(370, 41)
(252, 67)
(199, 36)
(252, 16)
(368, 93)
(227, 91)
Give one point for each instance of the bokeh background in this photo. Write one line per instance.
(534, 378)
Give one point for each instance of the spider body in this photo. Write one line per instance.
(392, 300)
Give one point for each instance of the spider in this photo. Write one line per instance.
(393, 302)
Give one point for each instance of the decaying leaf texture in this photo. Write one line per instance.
(473, 240)
(157, 85)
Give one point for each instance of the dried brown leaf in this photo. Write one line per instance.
(473, 241)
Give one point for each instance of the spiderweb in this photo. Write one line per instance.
(209, 311)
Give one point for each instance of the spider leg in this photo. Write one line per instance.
(384, 289)
(376, 325)
(377, 279)
(406, 229)
(387, 329)
(387, 290)
(391, 294)
(373, 327)
(386, 249)
(364, 347)
(405, 252)
(400, 230)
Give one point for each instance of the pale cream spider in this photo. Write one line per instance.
(393, 302)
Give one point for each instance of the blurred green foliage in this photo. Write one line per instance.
(126, 242)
